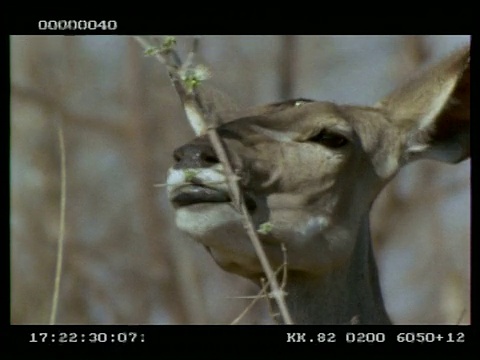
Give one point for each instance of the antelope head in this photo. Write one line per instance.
(312, 170)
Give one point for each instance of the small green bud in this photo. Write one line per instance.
(265, 228)
(151, 51)
(193, 76)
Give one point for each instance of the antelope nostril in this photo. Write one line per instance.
(195, 155)
(209, 158)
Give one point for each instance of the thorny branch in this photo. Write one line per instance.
(185, 78)
(263, 293)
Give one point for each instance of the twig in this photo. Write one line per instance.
(250, 305)
(61, 232)
(239, 203)
(285, 262)
(271, 311)
(196, 115)
(273, 314)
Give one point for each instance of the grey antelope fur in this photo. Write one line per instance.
(312, 170)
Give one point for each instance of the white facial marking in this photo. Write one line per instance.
(315, 226)
(213, 177)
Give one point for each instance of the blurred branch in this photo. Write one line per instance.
(101, 124)
(186, 90)
(61, 232)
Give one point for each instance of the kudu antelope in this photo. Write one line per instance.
(312, 170)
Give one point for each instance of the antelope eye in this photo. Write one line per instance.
(329, 139)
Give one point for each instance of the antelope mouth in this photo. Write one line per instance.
(199, 194)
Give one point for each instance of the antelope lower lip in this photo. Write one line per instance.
(195, 194)
(198, 194)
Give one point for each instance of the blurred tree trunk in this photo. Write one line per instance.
(286, 66)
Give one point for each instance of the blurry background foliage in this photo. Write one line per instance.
(125, 262)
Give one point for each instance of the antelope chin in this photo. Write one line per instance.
(209, 223)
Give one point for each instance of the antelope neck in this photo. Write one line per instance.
(349, 294)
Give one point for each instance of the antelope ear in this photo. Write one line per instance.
(432, 111)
